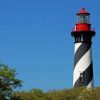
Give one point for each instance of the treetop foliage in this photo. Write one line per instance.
(8, 82)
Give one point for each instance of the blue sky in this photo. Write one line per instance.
(35, 39)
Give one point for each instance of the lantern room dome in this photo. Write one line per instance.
(83, 11)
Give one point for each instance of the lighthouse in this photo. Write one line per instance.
(83, 62)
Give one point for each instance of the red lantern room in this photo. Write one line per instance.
(83, 23)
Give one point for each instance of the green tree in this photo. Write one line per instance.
(8, 82)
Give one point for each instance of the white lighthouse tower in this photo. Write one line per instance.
(83, 62)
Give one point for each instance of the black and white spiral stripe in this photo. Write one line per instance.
(83, 64)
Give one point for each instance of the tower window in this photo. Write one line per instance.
(81, 79)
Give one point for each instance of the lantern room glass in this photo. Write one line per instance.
(83, 18)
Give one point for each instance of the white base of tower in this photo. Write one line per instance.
(91, 84)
